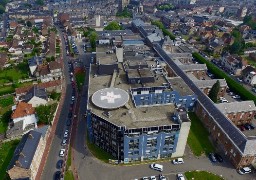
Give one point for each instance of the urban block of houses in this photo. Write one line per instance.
(234, 64)
(28, 154)
(50, 72)
(24, 115)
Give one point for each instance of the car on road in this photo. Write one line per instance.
(244, 170)
(162, 177)
(62, 152)
(64, 142)
(59, 164)
(180, 177)
(212, 157)
(152, 177)
(178, 161)
(157, 167)
(65, 134)
(218, 157)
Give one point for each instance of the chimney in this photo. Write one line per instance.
(30, 136)
(22, 154)
(17, 163)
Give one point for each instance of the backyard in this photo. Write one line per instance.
(6, 153)
(198, 138)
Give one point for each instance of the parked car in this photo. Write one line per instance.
(70, 115)
(254, 90)
(178, 161)
(152, 177)
(68, 123)
(241, 127)
(62, 153)
(218, 157)
(180, 177)
(65, 134)
(145, 178)
(244, 170)
(236, 97)
(57, 175)
(212, 157)
(162, 177)
(252, 126)
(247, 126)
(59, 164)
(231, 93)
(157, 167)
(239, 79)
(64, 142)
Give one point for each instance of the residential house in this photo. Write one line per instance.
(28, 154)
(63, 17)
(13, 25)
(33, 63)
(15, 48)
(3, 45)
(50, 72)
(238, 112)
(24, 114)
(36, 96)
(249, 75)
(3, 59)
(234, 64)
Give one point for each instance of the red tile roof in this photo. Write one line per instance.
(23, 109)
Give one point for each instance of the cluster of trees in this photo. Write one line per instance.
(160, 25)
(248, 20)
(113, 26)
(213, 93)
(125, 13)
(2, 6)
(165, 7)
(232, 84)
(45, 113)
(238, 46)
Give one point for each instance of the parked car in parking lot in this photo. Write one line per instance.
(218, 157)
(157, 167)
(244, 170)
(180, 177)
(145, 178)
(152, 177)
(241, 127)
(162, 177)
(254, 90)
(236, 97)
(247, 126)
(178, 161)
(252, 126)
(212, 157)
(239, 79)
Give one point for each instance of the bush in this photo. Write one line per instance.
(4, 102)
(45, 113)
(232, 84)
(55, 96)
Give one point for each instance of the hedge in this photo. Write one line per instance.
(232, 84)
(160, 25)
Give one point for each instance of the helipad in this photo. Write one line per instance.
(110, 98)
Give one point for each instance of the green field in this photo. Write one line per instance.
(6, 153)
(198, 140)
(201, 175)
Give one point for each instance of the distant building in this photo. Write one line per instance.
(28, 154)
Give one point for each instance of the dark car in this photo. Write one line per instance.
(70, 115)
(57, 175)
(218, 157)
(60, 164)
(241, 127)
(212, 157)
(252, 126)
(68, 123)
(247, 126)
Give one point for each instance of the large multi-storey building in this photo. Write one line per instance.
(136, 111)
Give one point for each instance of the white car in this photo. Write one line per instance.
(152, 177)
(236, 97)
(62, 152)
(64, 142)
(65, 134)
(162, 177)
(178, 161)
(244, 170)
(180, 177)
(157, 167)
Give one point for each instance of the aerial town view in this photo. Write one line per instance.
(127, 90)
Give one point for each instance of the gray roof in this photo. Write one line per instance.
(35, 61)
(235, 107)
(155, 37)
(42, 130)
(232, 132)
(25, 151)
(193, 67)
(36, 91)
(209, 83)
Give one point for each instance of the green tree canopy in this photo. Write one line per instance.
(113, 26)
(213, 94)
(93, 37)
(40, 2)
(29, 23)
(2, 9)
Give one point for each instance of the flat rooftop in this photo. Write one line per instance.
(105, 55)
(179, 85)
(128, 115)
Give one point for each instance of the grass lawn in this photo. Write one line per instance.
(202, 175)
(69, 158)
(198, 140)
(6, 90)
(69, 175)
(98, 152)
(6, 153)
(7, 101)
(80, 77)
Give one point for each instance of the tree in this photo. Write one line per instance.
(40, 2)
(2, 9)
(213, 94)
(113, 26)
(93, 37)
(29, 23)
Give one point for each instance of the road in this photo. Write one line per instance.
(53, 156)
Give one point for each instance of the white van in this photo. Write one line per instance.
(157, 167)
(244, 170)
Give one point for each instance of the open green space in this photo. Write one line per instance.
(6, 90)
(202, 175)
(69, 175)
(4, 119)
(80, 77)
(6, 101)
(6, 153)
(98, 152)
(198, 140)
(232, 84)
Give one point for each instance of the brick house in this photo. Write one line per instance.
(28, 154)
(238, 112)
